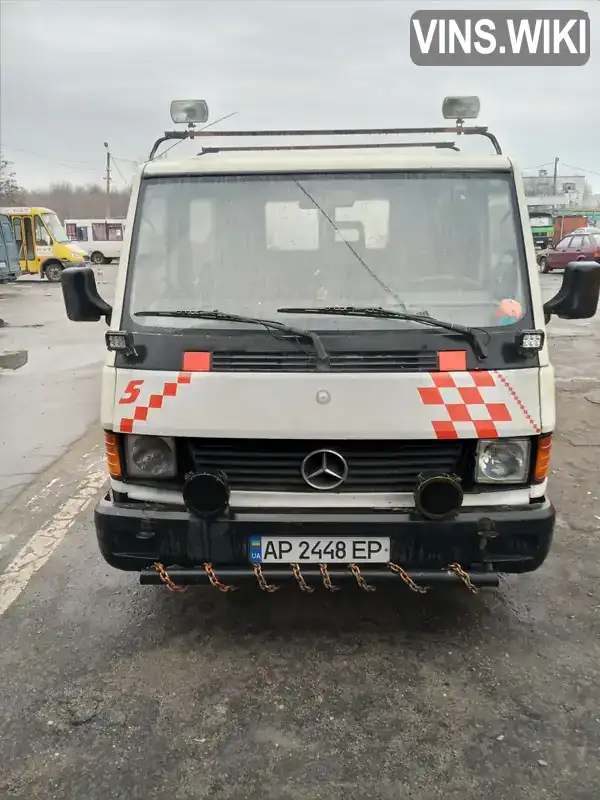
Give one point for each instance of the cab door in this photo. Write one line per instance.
(43, 242)
(23, 231)
(5, 274)
(14, 267)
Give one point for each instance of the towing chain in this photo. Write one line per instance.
(262, 581)
(359, 578)
(164, 576)
(327, 579)
(407, 579)
(300, 578)
(212, 577)
(463, 575)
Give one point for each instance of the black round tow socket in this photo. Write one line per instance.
(438, 497)
(206, 494)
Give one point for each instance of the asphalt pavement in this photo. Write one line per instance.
(114, 690)
(51, 401)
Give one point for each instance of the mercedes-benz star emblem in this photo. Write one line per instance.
(324, 470)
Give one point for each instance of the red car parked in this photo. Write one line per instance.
(577, 246)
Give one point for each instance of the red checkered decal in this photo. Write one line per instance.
(468, 404)
(140, 412)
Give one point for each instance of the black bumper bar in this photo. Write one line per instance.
(134, 536)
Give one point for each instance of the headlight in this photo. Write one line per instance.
(150, 457)
(502, 461)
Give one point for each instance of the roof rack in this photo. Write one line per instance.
(458, 130)
(457, 108)
(435, 145)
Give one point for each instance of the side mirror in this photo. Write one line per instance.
(578, 295)
(82, 301)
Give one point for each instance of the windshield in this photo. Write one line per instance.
(541, 222)
(441, 243)
(55, 228)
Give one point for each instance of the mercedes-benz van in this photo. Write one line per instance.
(328, 361)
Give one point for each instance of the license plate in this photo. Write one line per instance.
(315, 550)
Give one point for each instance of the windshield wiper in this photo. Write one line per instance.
(270, 325)
(474, 335)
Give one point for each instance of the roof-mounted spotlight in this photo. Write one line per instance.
(460, 108)
(190, 111)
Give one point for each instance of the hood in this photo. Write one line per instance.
(423, 405)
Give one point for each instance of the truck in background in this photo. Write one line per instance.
(566, 223)
(542, 228)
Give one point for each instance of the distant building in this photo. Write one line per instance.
(595, 201)
(572, 191)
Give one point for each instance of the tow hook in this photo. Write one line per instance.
(487, 530)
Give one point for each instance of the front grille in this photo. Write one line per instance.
(373, 466)
(300, 361)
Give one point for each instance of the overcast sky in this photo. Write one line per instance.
(76, 73)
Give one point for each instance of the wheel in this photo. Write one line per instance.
(53, 272)
(97, 258)
(543, 263)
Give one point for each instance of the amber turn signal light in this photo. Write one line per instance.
(113, 458)
(542, 459)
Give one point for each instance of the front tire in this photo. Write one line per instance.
(97, 258)
(53, 272)
(544, 266)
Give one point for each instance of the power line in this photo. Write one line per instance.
(539, 166)
(116, 166)
(130, 160)
(581, 169)
(70, 164)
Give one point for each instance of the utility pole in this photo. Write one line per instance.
(555, 175)
(107, 179)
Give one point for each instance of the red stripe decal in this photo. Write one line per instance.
(517, 400)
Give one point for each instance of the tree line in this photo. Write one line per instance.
(67, 200)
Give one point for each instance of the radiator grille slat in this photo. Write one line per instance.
(373, 466)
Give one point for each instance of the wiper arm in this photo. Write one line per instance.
(270, 325)
(474, 335)
(360, 260)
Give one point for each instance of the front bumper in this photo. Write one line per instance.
(485, 541)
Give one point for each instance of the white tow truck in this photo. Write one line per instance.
(328, 361)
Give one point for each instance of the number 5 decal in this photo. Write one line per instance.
(132, 392)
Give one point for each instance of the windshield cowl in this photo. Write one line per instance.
(417, 346)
